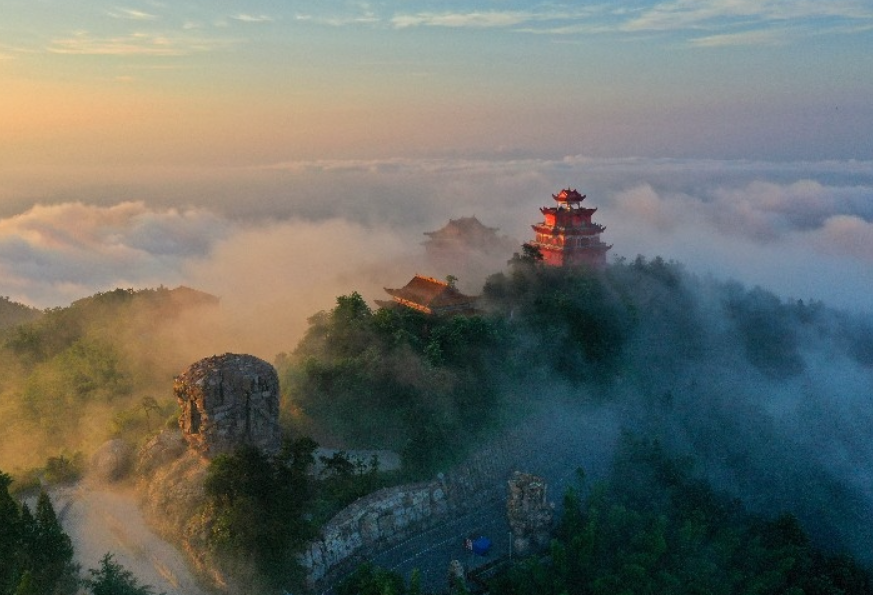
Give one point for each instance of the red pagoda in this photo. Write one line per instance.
(567, 237)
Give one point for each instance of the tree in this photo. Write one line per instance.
(150, 405)
(51, 550)
(9, 536)
(530, 254)
(257, 503)
(113, 579)
(36, 556)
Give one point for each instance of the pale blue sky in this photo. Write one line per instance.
(719, 78)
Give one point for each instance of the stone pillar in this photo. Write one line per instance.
(227, 401)
(529, 512)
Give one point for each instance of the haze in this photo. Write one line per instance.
(278, 154)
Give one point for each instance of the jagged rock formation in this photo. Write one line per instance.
(529, 512)
(228, 400)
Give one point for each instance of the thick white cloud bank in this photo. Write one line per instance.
(50, 255)
(289, 237)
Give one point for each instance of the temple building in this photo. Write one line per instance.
(460, 238)
(430, 296)
(567, 237)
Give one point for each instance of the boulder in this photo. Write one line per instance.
(111, 461)
(227, 401)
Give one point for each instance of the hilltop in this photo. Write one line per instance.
(757, 395)
(13, 313)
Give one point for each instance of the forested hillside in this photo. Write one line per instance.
(102, 367)
(653, 527)
(13, 313)
(763, 394)
(765, 400)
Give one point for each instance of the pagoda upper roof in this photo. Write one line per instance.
(431, 295)
(568, 195)
(463, 227)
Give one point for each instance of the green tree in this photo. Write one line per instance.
(372, 580)
(111, 578)
(258, 505)
(35, 554)
(10, 535)
(51, 549)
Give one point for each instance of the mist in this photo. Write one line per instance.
(307, 230)
(769, 399)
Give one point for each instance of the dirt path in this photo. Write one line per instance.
(99, 521)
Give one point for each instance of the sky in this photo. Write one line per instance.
(304, 147)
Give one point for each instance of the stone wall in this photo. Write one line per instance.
(379, 520)
(387, 517)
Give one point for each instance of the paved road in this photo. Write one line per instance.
(431, 551)
(554, 452)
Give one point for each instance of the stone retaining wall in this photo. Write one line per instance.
(387, 517)
(381, 519)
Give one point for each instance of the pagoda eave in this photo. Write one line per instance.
(555, 230)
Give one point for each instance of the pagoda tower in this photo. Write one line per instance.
(567, 237)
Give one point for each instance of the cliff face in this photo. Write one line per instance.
(229, 400)
(226, 401)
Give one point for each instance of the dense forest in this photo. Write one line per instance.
(758, 406)
(764, 395)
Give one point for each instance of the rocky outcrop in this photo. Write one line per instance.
(160, 451)
(171, 480)
(228, 400)
(529, 512)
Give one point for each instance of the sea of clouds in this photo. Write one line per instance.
(289, 237)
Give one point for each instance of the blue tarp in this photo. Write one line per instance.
(481, 546)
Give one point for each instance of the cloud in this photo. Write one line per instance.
(365, 18)
(642, 203)
(796, 228)
(846, 235)
(556, 21)
(250, 18)
(707, 14)
(756, 37)
(272, 276)
(52, 254)
(470, 19)
(135, 44)
(768, 210)
(733, 22)
(131, 14)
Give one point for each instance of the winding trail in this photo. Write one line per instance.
(101, 520)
